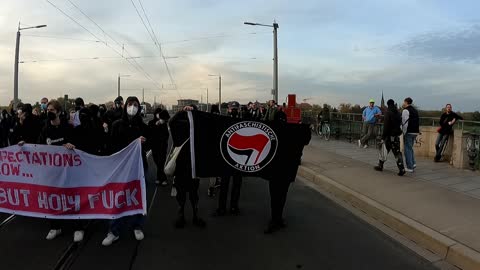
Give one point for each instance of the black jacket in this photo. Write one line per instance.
(159, 133)
(88, 139)
(392, 123)
(444, 119)
(28, 131)
(56, 135)
(180, 129)
(413, 120)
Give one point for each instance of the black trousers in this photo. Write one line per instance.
(160, 157)
(184, 185)
(278, 197)
(76, 224)
(235, 195)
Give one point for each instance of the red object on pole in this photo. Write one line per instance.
(294, 114)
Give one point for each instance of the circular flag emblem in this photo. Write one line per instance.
(248, 146)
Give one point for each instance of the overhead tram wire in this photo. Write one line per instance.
(146, 74)
(156, 42)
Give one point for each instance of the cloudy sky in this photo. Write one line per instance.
(329, 51)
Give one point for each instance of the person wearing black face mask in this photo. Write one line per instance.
(124, 131)
(56, 132)
(159, 130)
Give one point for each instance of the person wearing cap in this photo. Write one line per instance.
(369, 116)
(391, 138)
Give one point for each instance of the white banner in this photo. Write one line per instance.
(54, 182)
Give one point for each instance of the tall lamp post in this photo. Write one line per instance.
(17, 52)
(275, 57)
(118, 84)
(219, 90)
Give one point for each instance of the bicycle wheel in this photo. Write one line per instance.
(318, 131)
(326, 131)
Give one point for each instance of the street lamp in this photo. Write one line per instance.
(17, 51)
(118, 85)
(219, 90)
(275, 56)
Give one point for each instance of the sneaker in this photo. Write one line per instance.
(211, 192)
(409, 170)
(359, 143)
(378, 168)
(138, 234)
(365, 146)
(157, 182)
(78, 236)
(414, 166)
(53, 233)
(401, 172)
(109, 239)
(164, 183)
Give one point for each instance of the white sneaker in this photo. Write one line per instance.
(409, 170)
(53, 233)
(157, 182)
(138, 235)
(164, 183)
(359, 143)
(414, 166)
(365, 146)
(78, 236)
(109, 239)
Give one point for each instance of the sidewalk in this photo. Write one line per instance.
(437, 206)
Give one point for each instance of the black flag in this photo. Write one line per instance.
(224, 146)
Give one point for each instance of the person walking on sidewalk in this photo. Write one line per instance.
(391, 138)
(411, 129)
(369, 116)
(447, 120)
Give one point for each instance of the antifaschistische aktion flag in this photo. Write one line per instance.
(225, 146)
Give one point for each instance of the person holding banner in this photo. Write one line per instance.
(124, 131)
(57, 132)
(184, 182)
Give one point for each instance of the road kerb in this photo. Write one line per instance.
(447, 248)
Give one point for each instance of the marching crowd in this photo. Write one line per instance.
(103, 131)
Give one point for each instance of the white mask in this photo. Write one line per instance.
(162, 121)
(132, 110)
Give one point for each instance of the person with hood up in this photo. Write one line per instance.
(392, 129)
(159, 131)
(125, 130)
(27, 128)
(183, 181)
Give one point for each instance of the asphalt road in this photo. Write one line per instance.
(320, 235)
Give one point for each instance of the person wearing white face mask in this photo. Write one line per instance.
(125, 130)
(159, 131)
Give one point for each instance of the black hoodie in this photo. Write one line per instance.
(127, 129)
(392, 122)
(159, 133)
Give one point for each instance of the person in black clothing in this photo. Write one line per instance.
(391, 138)
(124, 131)
(159, 132)
(56, 132)
(447, 120)
(87, 136)
(27, 128)
(183, 181)
(225, 181)
(281, 115)
(279, 184)
(6, 124)
(114, 114)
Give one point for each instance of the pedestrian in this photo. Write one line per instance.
(43, 110)
(183, 181)
(5, 125)
(79, 104)
(281, 115)
(369, 116)
(411, 129)
(28, 128)
(391, 138)
(271, 111)
(159, 131)
(56, 132)
(447, 120)
(113, 114)
(124, 131)
(214, 182)
(225, 180)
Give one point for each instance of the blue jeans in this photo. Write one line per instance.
(136, 221)
(408, 141)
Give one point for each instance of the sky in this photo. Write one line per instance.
(343, 51)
